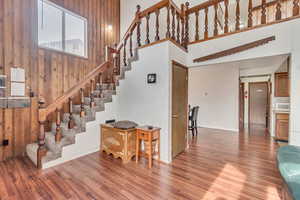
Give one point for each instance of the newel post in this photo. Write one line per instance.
(41, 152)
(58, 134)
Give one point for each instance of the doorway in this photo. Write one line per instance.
(258, 103)
(179, 108)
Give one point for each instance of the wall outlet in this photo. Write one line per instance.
(5, 143)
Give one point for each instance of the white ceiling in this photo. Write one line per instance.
(262, 62)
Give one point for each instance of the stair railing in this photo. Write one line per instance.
(246, 16)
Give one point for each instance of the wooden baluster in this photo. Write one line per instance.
(100, 79)
(130, 44)
(226, 29)
(124, 53)
(119, 63)
(82, 113)
(216, 20)
(71, 123)
(100, 84)
(206, 24)
(147, 41)
(238, 15)
(116, 57)
(187, 39)
(178, 28)
(58, 134)
(41, 138)
(138, 27)
(278, 10)
(296, 7)
(92, 101)
(182, 26)
(157, 25)
(263, 12)
(173, 23)
(114, 74)
(250, 15)
(168, 34)
(197, 26)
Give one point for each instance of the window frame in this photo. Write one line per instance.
(63, 32)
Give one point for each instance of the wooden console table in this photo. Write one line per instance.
(118, 142)
(151, 138)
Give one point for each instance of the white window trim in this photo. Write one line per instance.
(64, 11)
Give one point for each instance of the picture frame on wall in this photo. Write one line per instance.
(151, 78)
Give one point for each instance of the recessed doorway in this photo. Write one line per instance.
(258, 103)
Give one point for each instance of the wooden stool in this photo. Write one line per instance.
(151, 137)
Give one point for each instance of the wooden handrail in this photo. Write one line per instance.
(257, 16)
(144, 13)
(268, 4)
(126, 35)
(153, 8)
(57, 104)
(202, 6)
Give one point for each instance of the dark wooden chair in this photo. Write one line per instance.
(193, 120)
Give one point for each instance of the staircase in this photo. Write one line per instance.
(66, 125)
(83, 119)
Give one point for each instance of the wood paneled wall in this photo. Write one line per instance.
(48, 73)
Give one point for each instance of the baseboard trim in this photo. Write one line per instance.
(218, 128)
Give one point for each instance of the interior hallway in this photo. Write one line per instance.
(219, 165)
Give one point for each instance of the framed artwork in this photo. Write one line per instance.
(151, 78)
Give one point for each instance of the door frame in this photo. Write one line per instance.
(174, 62)
(241, 104)
(249, 96)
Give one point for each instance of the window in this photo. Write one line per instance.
(61, 30)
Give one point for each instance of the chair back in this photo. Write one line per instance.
(195, 113)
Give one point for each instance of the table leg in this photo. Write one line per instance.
(137, 149)
(158, 148)
(150, 149)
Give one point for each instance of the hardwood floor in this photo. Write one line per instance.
(219, 165)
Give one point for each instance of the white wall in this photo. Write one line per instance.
(215, 89)
(295, 87)
(150, 104)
